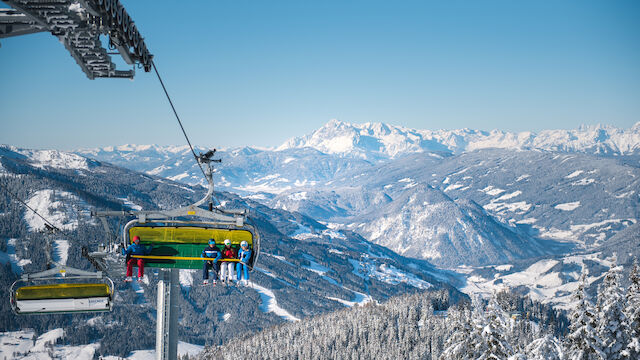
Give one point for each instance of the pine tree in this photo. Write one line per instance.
(458, 345)
(494, 333)
(545, 348)
(611, 318)
(583, 342)
(632, 312)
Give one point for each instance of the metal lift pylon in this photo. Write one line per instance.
(167, 315)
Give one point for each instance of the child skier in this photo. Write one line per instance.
(212, 252)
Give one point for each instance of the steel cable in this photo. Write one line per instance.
(177, 117)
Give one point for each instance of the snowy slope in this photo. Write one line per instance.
(551, 281)
(20, 345)
(58, 207)
(12, 258)
(481, 207)
(48, 158)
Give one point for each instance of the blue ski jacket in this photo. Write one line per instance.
(134, 249)
(212, 252)
(244, 255)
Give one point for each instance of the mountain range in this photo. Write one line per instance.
(458, 197)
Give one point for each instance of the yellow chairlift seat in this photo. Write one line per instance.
(66, 291)
(62, 291)
(181, 246)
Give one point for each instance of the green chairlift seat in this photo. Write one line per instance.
(180, 247)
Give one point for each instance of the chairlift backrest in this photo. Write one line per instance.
(180, 247)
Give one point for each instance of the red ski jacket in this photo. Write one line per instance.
(229, 253)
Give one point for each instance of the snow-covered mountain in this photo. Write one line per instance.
(456, 197)
(373, 141)
(479, 208)
(338, 147)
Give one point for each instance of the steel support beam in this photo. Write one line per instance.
(167, 315)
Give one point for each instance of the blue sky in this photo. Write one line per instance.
(259, 72)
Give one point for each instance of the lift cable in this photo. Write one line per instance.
(49, 227)
(177, 117)
(47, 224)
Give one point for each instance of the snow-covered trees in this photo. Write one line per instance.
(583, 342)
(459, 345)
(545, 348)
(493, 344)
(507, 327)
(612, 321)
(632, 312)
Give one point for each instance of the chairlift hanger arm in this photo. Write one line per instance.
(235, 217)
(66, 270)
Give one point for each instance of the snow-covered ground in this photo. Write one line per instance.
(186, 277)
(56, 159)
(270, 304)
(183, 349)
(359, 299)
(130, 205)
(550, 281)
(60, 251)
(596, 231)
(20, 345)
(368, 267)
(11, 257)
(55, 206)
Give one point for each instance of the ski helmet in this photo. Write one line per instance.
(227, 242)
(244, 243)
(212, 242)
(136, 238)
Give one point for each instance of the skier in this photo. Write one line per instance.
(227, 253)
(244, 255)
(210, 251)
(136, 249)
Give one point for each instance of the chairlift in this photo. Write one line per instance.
(179, 244)
(62, 290)
(178, 236)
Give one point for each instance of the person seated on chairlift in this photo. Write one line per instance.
(244, 255)
(227, 253)
(136, 249)
(213, 253)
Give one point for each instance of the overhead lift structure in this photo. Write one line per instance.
(78, 25)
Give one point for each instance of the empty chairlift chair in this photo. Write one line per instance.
(62, 290)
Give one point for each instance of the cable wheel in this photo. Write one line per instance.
(114, 9)
(126, 23)
(137, 41)
(133, 34)
(120, 13)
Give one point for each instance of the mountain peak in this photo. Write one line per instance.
(373, 141)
